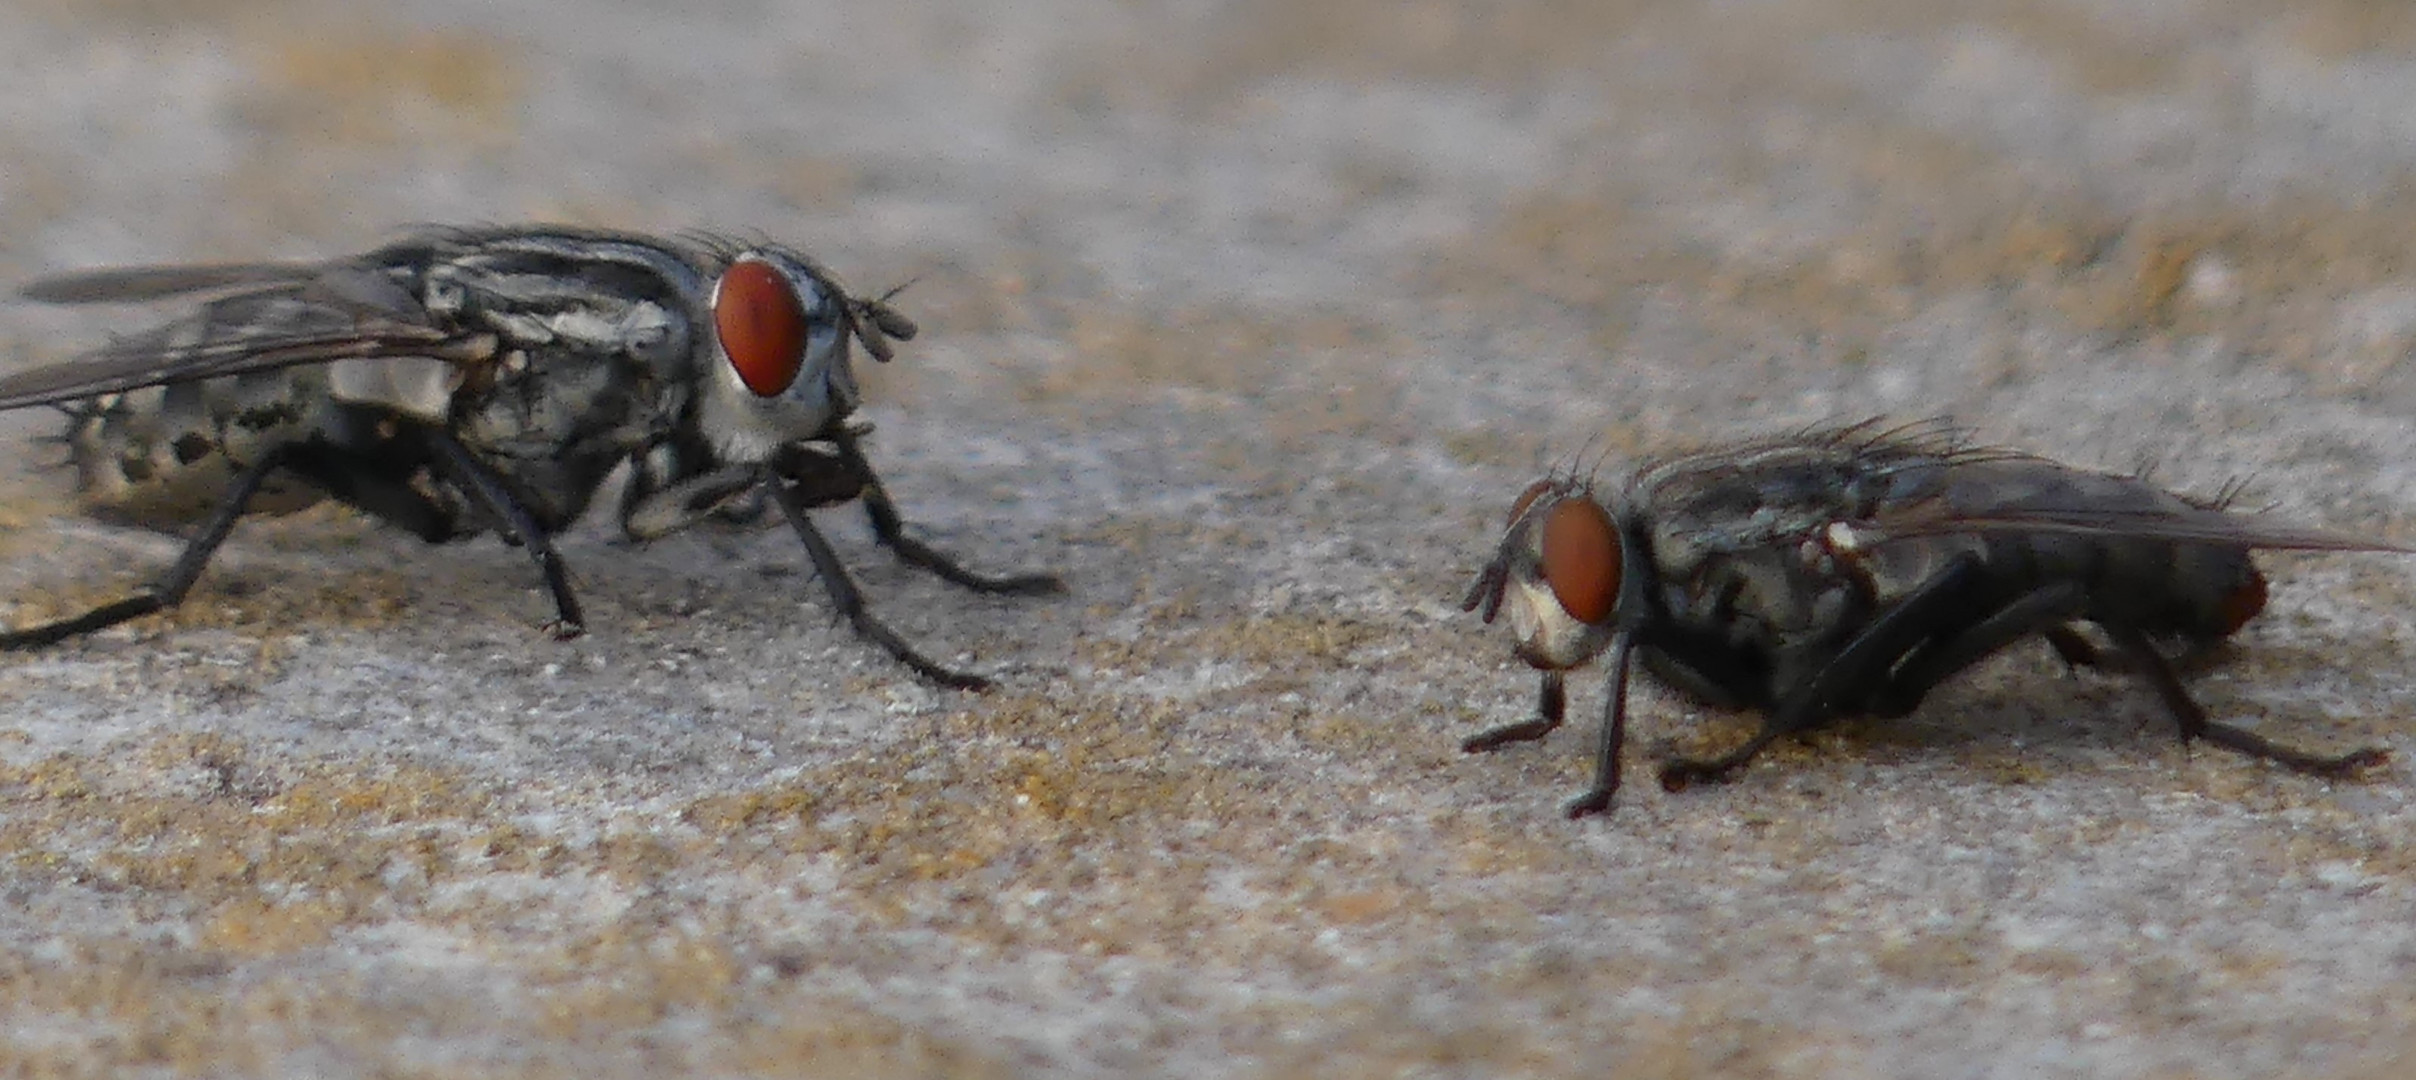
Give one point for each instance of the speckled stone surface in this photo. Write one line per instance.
(1250, 318)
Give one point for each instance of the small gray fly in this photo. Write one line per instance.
(1847, 571)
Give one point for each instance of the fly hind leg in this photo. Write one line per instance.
(366, 484)
(2194, 725)
(170, 589)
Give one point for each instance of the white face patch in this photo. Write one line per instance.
(1547, 633)
(747, 429)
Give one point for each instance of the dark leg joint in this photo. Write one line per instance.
(2191, 718)
(849, 601)
(480, 482)
(1550, 709)
(890, 529)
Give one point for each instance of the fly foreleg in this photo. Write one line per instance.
(2194, 724)
(1870, 655)
(1597, 798)
(890, 530)
(170, 589)
(481, 483)
(1550, 708)
(850, 601)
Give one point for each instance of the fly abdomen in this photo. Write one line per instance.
(2199, 592)
(164, 455)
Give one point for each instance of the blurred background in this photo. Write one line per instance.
(1250, 317)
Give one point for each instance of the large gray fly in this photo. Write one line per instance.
(465, 381)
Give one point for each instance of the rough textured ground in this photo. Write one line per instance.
(1249, 317)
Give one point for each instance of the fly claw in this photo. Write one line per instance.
(1848, 571)
(492, 380)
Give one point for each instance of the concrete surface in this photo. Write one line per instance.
(1250, 317)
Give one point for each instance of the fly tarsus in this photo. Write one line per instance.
(890, 529)
(1551, 706)
(2329, 767)
(1678, 774)
(924, 557)
(1596, 800)
(1492, 739)
(2191, 717)
(170, 589)
(100, 618)
(849, 600)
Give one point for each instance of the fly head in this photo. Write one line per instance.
(1558, 571)
(782, 368)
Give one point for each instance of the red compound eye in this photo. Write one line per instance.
(762, 326)
(1581, 559)
(1526, 499)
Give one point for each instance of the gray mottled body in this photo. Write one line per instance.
(1847, 571)
(462, 381)
(556, 354)
(1768, 557)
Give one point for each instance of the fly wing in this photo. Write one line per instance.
(2034, 496)
(289, 316)
(136, 284)
(2194, 526)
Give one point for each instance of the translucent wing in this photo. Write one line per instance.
(135, 284)
(283, 315)
(2033, 495)
(2185, 527)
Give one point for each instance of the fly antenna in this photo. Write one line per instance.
(1602, 456)
(900, 287)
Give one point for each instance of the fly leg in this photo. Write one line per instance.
(170, 589)
(850, 601)
(1938, 659)
(1870, 654)
(2194, 724)
(1549, 710)
(2075, 650)
(890, 529)
(480, 481)
(1597, 798)
(365, 486)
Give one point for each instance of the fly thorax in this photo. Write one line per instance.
(538, 310)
